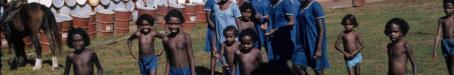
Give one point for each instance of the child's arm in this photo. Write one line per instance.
(411, 57)
(220, 55)
(337, 44)
(235, 62)
(98, 64)
(437, 39)
(130, 39)
(67, 65)
(259, 57)
(360, 44)
(190, 54)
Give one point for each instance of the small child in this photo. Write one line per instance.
(248, 19)
(399, 50)
(446, 30)
(178, 46)
(248, 57)
(228, 48)
(82, 58)
(148, 60)
(352, 45)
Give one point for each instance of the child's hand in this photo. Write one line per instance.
(264, 26)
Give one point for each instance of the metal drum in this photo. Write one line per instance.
(91, 27)
(162, 11)
(65, 24)
(93, 2)
(201, 14)
(105, 21)
(189, 13)
(44, 43)
(122, 18)
(58, 3)
(130, 6)
(80, 20)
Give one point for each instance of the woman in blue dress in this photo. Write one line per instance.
(279, 43)
(223, 14)
(310, 31)
(262, 9)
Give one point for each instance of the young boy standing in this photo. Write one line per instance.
(228, 49)
(399, 50)
(352, 45)
(82, 59)
(248, 57)
(446, 30)
(148, 60)
(178, 46)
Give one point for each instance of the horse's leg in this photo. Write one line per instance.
(36, 44)
(20, 53)
(53, 47)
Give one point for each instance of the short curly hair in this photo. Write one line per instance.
(174, 13)
(146, 17)
(231, 28)
(403, 25)
(351, 18)
(249, 32)
(81, 32)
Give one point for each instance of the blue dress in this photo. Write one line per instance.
(261, 7)
(309, 33)
(297, 39)
(209, 35)
(225, 18)
(280, 45)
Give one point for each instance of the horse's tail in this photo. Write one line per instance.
(52, 31)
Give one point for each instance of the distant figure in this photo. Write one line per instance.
(148, 60)
(446, 30)
(399, 50)
(352, 45)
(178, 46)
(248, 58)
(82, 59)
(228, 49)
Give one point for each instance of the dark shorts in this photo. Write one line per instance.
(148, 64)
(180, 71)
(448, 47)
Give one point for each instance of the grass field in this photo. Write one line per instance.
(422, 15)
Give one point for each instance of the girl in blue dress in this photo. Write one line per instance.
(279, 43)
(312, 35)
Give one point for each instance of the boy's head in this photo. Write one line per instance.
(230, 34)
(349, 22)
(247, 11)
(78, 39)
(448, 6)
(174, 19)
(247, 39)
(145, 23)
(396, 28)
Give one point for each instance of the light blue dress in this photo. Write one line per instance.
(225, 18)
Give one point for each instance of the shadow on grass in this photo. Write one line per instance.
(273, 69)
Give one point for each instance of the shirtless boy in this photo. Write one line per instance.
(446, 30)
(248, 57)
(228, 49)
(178, 45)
(352, 45)
(82, 59)
(148, 60)
(399, 50)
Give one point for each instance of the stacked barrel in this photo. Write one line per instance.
(122, 18)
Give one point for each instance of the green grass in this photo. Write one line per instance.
(422, 15)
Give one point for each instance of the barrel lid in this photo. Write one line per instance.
(58, 3)
(121, 10)
(130, 6)
(86, 8)
(80, 15)
(58, 19)
(81, 2)
(120, 5)
(105, 11)
(71, 2)
(64, 10)
(54, 11)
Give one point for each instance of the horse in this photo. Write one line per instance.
(29, 20)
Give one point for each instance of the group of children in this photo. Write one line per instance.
(240, 52)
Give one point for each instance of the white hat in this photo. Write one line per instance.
(71, 3)
(81, 2)
(93, 2)
(58, 3)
